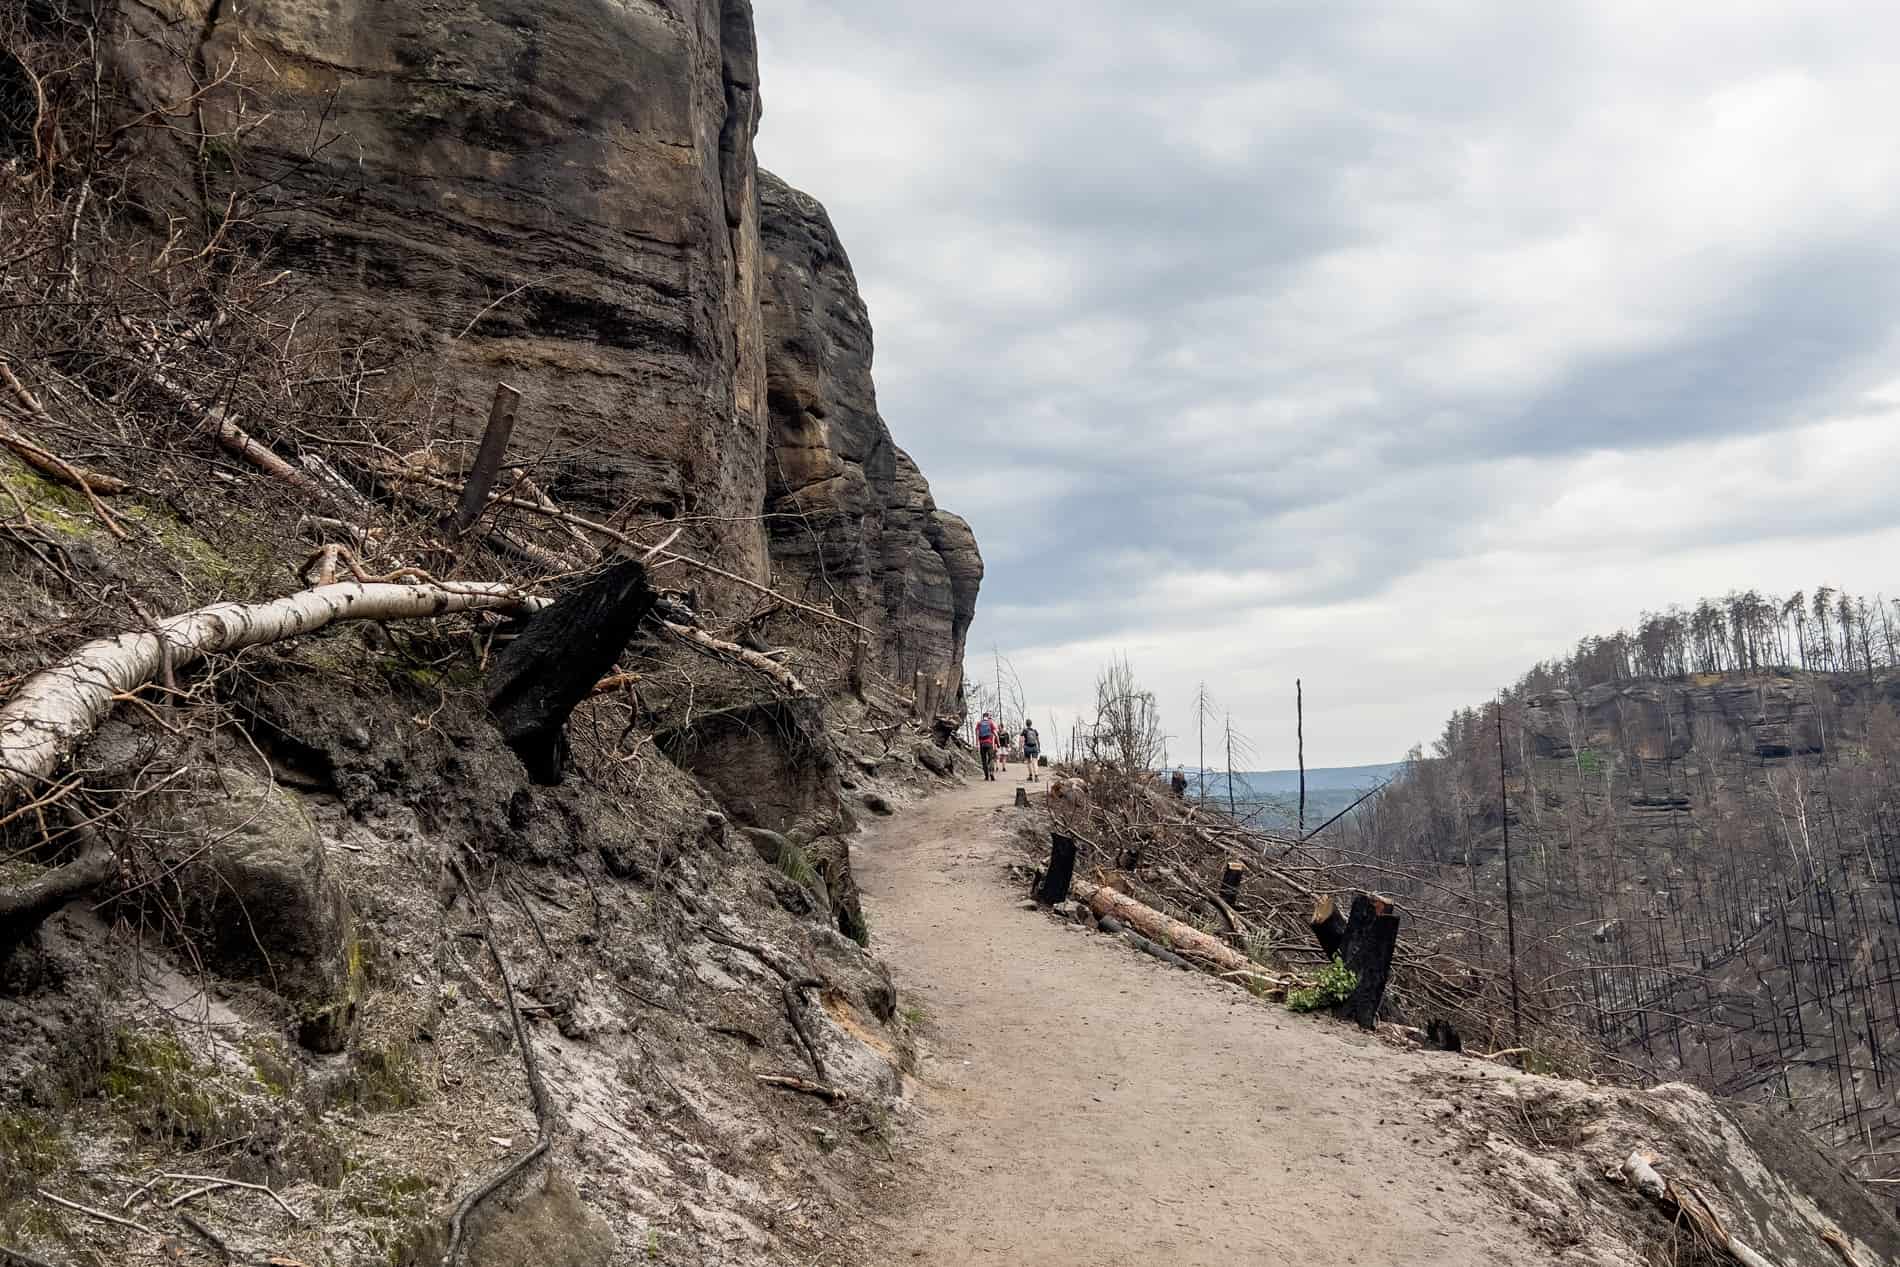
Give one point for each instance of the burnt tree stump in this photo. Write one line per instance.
(1231, 877)
(1060, 871)
(1329, 926)
(1022, 798)
(554, 662)
(1372, 935)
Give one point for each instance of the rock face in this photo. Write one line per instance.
(576, 174)
(1766, 716)
(563, 196)
(852, 522)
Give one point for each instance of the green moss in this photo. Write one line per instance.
(152, 1083)
(272, 1065)
(30, 1148)
(53, 505)
(385, 1078)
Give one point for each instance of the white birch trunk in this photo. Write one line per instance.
(56, 709)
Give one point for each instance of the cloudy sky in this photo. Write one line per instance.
(1392, 345)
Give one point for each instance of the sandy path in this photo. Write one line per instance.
(1087, 1105)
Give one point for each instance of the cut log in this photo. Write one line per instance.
(1022, 798)
(1686, 1204)
(1329, 926)
(53, 711)
(559, 657)
(1056, 877)
(1372, 934)
(1183, 939)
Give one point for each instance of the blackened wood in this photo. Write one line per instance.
(1061, 870)
(1329, 926)
(560, 653)
(481, 477)
(1372, 935)
(1230, 880)
(1022, 798)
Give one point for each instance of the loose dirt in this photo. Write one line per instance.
(1084, 1104)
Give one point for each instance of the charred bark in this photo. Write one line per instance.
(1060, 872)
(560, 653)
(1372, 935)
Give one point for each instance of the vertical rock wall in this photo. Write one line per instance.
(851, 519)
(562, 195)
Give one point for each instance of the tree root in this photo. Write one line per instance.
(24, 909)
(804, 1086)
(543, 1113)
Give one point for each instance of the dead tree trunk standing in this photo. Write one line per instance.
(1510, 904)
(560, 654)
(1299, 736)
(1057, 876)
(488, 458)
(1372, 934)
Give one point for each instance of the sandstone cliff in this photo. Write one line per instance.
(564, 196)
(329, 883)
(852, 520)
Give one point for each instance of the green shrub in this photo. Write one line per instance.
(1336, 982)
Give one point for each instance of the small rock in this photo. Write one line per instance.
(877, 804)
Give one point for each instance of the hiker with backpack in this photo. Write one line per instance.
(986, 745)
(1032, 748)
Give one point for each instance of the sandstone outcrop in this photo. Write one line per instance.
(556, 195)
(564, 197)
(851, 519)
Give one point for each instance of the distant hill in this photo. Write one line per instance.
(1273, 795)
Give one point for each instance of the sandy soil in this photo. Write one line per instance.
(1083, 1103)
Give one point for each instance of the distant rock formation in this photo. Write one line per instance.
(851, 519)
(1765, 715)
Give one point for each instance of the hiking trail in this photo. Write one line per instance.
(1085, 1104)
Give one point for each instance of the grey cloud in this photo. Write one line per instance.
(1198, 178)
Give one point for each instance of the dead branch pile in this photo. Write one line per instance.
(1256, 891)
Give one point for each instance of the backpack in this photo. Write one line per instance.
(1030, 738)
(985, 731)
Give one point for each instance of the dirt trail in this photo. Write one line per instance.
(1085, 1104)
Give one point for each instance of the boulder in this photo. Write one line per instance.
(259, 902)
(591, 160)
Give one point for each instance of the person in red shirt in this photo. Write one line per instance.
(986, 745)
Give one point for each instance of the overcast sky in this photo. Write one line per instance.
(1393, 346)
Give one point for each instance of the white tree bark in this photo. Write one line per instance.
(56, 709)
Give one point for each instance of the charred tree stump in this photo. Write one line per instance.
(1372, 935)
(1060, 871)
(1231, 877)
(1329, 926)
(560, 653)
(1022, 798)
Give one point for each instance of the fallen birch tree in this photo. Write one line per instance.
(57, 709)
